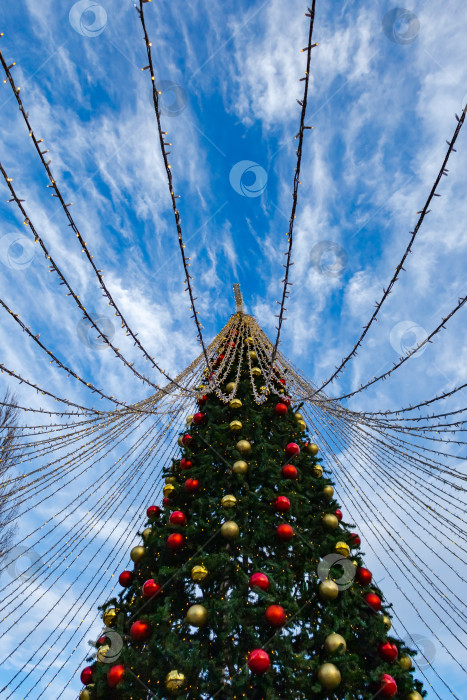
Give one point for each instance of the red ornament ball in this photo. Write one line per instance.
(286, 400)
(86, 675)
(280, 409)
(185, 463)
(259, 580)
(363, 576)
(289, 471)
(275, 615)
(191, 485)
(258, 661)
(153, 511)
(338, 514)
(284, 532)
(140, 631)
(198, 418)
(355, 539)
(150, 588)
(387, 686)
(115, 675)
(202, 400)
(219, 359)
(175, 541)
(388, 651)
(177, 518)
(292, 449)
(282, 381)
(186, 439)
(373, 601)
(126, 578)
(165, 501)
(281, 504)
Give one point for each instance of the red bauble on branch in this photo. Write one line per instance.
(292, 449)
(289, 471)
(388, 651)
(153, 511)
(115, 675)
(258, 661)
(86, 675)
(282, 381)
(387, 686)
(192, 485)
(186, 439)
(150, 588)
(177, 518)
(175, 541)
(275, 615)
(259, 580)
(339, 514)
(202, 400)
(165, 501)
(198, 418)
(185, 463)
(355, 539)
(126, 578)
(280, 409)
(363, 576)
(140, 631)
(284, 532)
(373, 601)
(286, 400)
(281, 504)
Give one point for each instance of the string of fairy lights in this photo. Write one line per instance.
(86, 475)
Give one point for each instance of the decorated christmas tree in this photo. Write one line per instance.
(248, 581)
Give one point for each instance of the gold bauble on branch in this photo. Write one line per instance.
(230, 387)
(146, 533)
(330, 521)
(312, 449)
(328, 492)
(249, 339)
(243, 446)
(189, 420)
(109, 617)
(335, 642)
(235, 403)
(414, 695)
(229, 501)
(170, 480)
(405, 662)
(137, 553)
(298, 416)
(329, 676)
(301, 425)
(253, 355)
(87, 693)
(174, 681)
(199, 573)
(168, 489)
(342, 548)
(179, 441)
(256, 371)
(196, 615)
(387, 622)
(317, 471)
(230, 530)
(240, 467)
(102, 653)
(200, 387)
(328, 590)
(236, 425)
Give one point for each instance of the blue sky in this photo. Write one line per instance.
(381, 110)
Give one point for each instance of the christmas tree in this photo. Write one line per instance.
(248, 581)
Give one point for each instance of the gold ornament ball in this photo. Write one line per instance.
(249, 339)
(137, 553)
(243, 446)
(146, 532)
(170, 480)
(200, 387)
(236, 425)
(168, 489)
(197, 615)
(180, 443)
(229, 501)
(174, 681)
(86, 694)
(298, 416)
(102, 653)
(414, 696)
(301, 425)
(328, 590)
(235, 403)
(387, 622)
(329, 676)
(330, 521)
(230, 387)
(253, 355)
(405, 662)
(317, 471)
(109, 617)
(342, 548)
(230, 530)
(199, 573)
(256, 372)
(335, 642)
(189, 420)
(312, 449)
(281, 391)
(240, 467)
(328, 492)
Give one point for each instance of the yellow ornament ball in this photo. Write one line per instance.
(330, 521)
(236, 425)
(387, 622)
(168, 489)
(414, 696)
(87, 693)
(253, 355)
(102, 653)
(312, 449)
(109, 617)
(189, 420)
(199, 573)
(328, 492)
(328, 590)
(230, 530)
(230, 387)
(235, 403)
(243, 446)
(342, 548)
(405, 662)
(256, 372)
(197, 615)
(335, 642)
(317, 471)
(298, 416)
(170, 480)
(137, 553)
(329, 676)
(180, 443)
(301, 425)
(240, 467)
(146, 533)
(229, 501)
(174, 681)
(249, 339)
